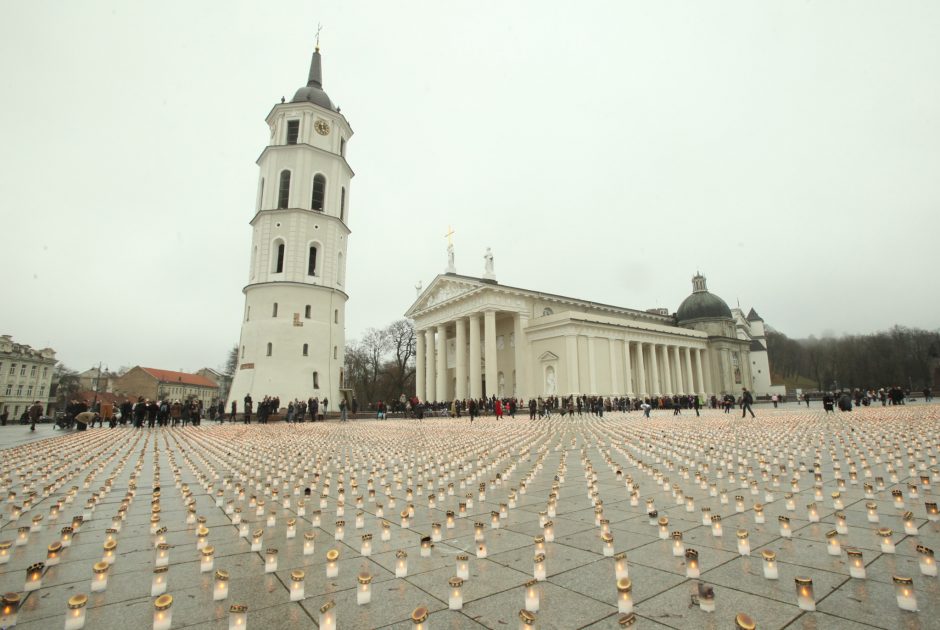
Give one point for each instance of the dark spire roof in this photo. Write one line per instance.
(752, 316)
(313, 91)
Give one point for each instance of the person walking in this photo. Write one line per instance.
(342, 410)
(35, 413)
(746, 401)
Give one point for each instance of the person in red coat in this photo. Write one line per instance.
(498, 408)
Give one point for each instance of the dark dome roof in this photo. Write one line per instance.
(702, 304)
(313, 91)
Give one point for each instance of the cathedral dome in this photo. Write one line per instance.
(313, 91)
(702, 304)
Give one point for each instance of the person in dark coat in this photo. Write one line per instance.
(746, 401)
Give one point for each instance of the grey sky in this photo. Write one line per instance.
(788, 150)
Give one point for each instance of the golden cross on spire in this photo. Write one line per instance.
(450, 235)
(319, 28)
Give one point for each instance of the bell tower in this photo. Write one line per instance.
(292, 340)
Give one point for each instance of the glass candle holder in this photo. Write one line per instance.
(455, 593)
(663, 524)
(904, 591)
(202, 537)
(898, 497)
(237, 617)
(841, 524)
(759, 513)
(99, 580)
(706, 597)
(689, 504)
(207, 559)
(770, 564)
(549, 531)
(163, 612)
(327, 619)
(22, 536)
(5, 546)
(539, 568)
(365, 548)
(608, 545)
(220, 586)
(621, 569)
(812, 513)
(243, 530)
(426, 547)
(624, 595)
(744, 544)
(909, 527)
(871, 509)
(450, 521)
(401, 563)
(805, 598)
(738, 503)
(481, 549)
(75, 615)
(53, 554)
(856, 563)
(678, 547)
(463, 566)
(532, 595)
(297, 585)
(716, 526)
(887, 545)
(315, 518)
(435, 532)
(933, 513)
(706, 516)
(364, 589)
(270, 561)
(158, 581)
(291, 530)
(785, 529)
(332, 566)
(33, 577)
(257, 538)
(692, 569)
(419, 618)
(10, 610)
(928, 564)
(340, 531)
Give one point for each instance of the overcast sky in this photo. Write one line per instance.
(604, 150)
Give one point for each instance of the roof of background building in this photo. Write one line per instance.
(184, 378)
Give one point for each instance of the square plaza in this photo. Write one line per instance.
(394, 507)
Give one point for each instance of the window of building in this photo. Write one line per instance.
(342, 146)
(248, 314)
(1, 366)
(45, 372)
(32, 371)
(342, 203)
(319, 192)
(42, 390)
(305, 349)
(9, 388)
(316, 380)
(243, 352)
(307, 312)
(270, 348)
(261, 194)
(312, 261)
(279, 257)
(274, 310)
(293, 130)
(13, 369)
(23, 370)
(283, 192)
(19, 390)
(336, 316)
(29, 391)
(335, 354)
(340, 270)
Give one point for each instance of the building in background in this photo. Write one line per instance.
(25, 376)
(750, 328)
(97, 380)
(224, 381)
(156, 384)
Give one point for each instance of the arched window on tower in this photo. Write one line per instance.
(307, 312)
(319, 192)
(340, 271)
(279, 250)
(312, 261)
(270, 348)
(342, 147)
(342, 204)
(274, 310)
(306, 347)
(283, 192)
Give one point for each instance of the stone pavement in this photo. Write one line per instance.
(572, 481)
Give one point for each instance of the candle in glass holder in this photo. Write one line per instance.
(163, 612)
(770, 564)
(812, 513)
(608, 540)
(743, 621)
(904, 591)
(744, 544)
(419, 618)
(624, 595)
(691, 564)
(22, 536)
(909, 527)
(872, 509)
(360, 520)
(340, 532)
(426, 547)
(207, 559)
(237, 617)
(159, 536)
(220, 589)
(621, 570)
(296, 585)
(75, 617)
(332, 567)
(435, 532)
(10, 610)
(898, 499)
(833, 546)
(364, 590)
(291, 531)
(539, 568)
(463, 566)
(804, 593)
(856, 563)
(243, 530)
(99, 581)
(841, 525)
(455, 594)
(887, 545)
(257, 537)
(706, 597)
(34, 577)
(526, 619)
(933, 513)
(663, 527)
(785, 530)
(532, 595)
(928, 564)
(158, 583)
(678, 547)
(758, 513)
(738, 503)
(202, 535)
(653, 517)
(716, 526)
(53, 553)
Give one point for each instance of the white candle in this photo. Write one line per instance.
(220, 590)
(366, 548)
(340, 532)
(856, 564)
(706, 598)
(419, 618)
(158, 583)
(256, 539)
(663, 527)
(812, 513)
(75, 617)
(291, 531)
(332, 568)
(804, 593)
(532, 595)
(53, 554)
(904, 590)
(9, 612)
(455, 596)
(463, 567)
(785, 530)
(34, 577)
(401, 563)
(887, 545)
(909, 527)
(716, 526)
(928, 564)
(270, 562)
(539, 568)
(309, 543)
(99, 581)
(481, 549)
(872, 509)
(624, 595)
(237, 617)
(163, 612)
(841, 525)
(770, 564)
(296, 585)
(621, 570)
(744, 545)
(5, 550)
(691, 564)
(364, 591)
(426, 547)
(327, 620)
(678, 547)
(758, 513)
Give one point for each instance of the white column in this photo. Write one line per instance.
(419, 365)
(667, 374)
(489, 353)
(442, 388)
(698, 373)
(654, 371)
(687, 359)
(430, 380)
(519, 323)
(641, 387)
(616, 354)
(677, 359)
(571, 350)
(628, 371)
(476, 379)
(461, 358)
(705, 366)
(592, 366)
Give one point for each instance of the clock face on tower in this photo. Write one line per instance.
(322, 127)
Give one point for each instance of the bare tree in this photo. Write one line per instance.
(231, 364)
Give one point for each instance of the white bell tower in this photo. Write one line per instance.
(293, 328)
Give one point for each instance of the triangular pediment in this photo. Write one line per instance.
(442, 289)
(548, 356)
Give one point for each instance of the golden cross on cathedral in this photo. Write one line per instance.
(319, 28)
(450, 235)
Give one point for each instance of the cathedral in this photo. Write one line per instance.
(293, 327)
(476, 337)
